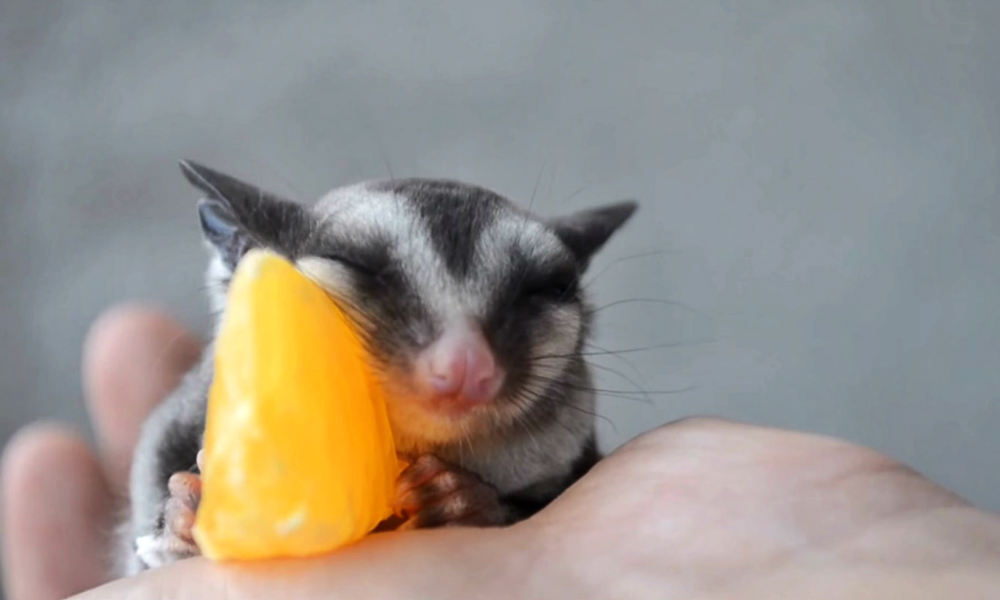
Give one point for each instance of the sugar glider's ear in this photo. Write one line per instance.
(237, 216)
(586, 231)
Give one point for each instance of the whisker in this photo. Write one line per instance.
(552, 183)
(618, 261)
(616, 352)
(523, 404)
(588, 388)
(385, 158)
(217, 285)
(534, 190)
(366, 123)
(663, 346)
(672, 303)
(574, 193)
(627, 396)
(638, 387)
(572, 406)
(526, 217)
(620, 359)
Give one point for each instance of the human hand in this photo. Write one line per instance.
(59, 496)
(695, 509)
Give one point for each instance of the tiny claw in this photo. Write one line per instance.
(432, 493)
(184, 485)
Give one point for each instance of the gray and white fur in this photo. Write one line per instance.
(406, 257)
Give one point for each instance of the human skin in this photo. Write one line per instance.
(700, 508)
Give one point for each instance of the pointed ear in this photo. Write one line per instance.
(236, 216)
(585, 232)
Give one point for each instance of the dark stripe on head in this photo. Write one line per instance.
(456, 215)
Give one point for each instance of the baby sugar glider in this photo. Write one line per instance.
(472, 309)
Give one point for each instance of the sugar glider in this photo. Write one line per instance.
(473, 311)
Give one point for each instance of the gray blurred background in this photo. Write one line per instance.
(818, 179)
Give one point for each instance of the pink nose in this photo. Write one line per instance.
(461, 365)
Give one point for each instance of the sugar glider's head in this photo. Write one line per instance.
(470, 305)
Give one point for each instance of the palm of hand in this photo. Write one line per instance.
(699, 508)
(716, 509)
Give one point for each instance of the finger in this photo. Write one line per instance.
(184, 485)
(179, 519)
(411, 499)
(55, 514)
(438, 563)
(132, 359)
(417, 473)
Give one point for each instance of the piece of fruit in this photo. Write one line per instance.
(299, 459)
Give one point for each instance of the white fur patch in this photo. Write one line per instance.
(152, 550)
(530, 236)
(358, 212)
(215, 275)
(550, 358)
(329, 275)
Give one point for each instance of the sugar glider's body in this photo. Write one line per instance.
(472, 310)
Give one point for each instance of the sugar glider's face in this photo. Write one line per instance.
(470, 305)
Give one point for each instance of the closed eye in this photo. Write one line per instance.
(355, 265)
(560, 287)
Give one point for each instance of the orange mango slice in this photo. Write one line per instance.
(299, 458)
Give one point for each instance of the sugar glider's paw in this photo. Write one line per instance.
(174, 540)
(432, 493)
